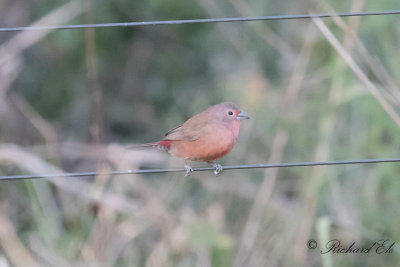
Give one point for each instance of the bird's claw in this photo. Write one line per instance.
(218, 168)
(189, 170)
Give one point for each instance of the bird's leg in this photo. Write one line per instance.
(218, 168)
(189, 169)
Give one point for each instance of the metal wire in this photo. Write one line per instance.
(215, 20)
(233, 167)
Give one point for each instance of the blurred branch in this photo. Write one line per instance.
(12, 49)
(357, 70)
(94, 87)
(43, 127)
(111, 152)
(388, 85)
(33, 164)
(230, 32)
(322, 152)
(253, 223)
(264, 32)
(48, 254)
(263, 195)
(19, 255)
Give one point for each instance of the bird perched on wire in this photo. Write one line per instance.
(207, 136)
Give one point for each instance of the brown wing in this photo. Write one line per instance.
(173, 130)
(188, 131)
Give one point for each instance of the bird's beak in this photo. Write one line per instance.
(242, 116)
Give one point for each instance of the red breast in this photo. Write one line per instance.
(216, 142)
(206, 136)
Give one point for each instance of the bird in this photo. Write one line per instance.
(206, 137)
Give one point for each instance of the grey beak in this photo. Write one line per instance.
(242, 116)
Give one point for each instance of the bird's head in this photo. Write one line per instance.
(228, 112)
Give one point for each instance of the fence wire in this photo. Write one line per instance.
(191, 21)
(232, 167)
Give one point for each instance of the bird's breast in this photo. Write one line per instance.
(213, 144)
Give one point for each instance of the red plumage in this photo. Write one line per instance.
(206, 136)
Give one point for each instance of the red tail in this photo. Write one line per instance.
(163, 145)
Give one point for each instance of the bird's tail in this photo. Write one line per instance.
(143, 146)
(163, 145)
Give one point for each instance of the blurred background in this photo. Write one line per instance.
(316, 90)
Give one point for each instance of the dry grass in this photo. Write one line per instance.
(243, 218)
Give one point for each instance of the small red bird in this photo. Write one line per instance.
(207, 136)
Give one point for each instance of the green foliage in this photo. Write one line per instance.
(130, 85)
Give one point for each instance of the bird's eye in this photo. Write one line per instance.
(230, 113)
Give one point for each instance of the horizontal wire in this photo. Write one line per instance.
(233, 167)
(214, 20)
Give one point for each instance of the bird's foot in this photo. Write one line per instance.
(218, 168)
(189, 170)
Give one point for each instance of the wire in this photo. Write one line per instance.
(215, 20)
(234, 167)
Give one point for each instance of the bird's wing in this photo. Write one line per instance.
(173, 130)
(189, 131)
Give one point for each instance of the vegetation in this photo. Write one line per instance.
(71, 100)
